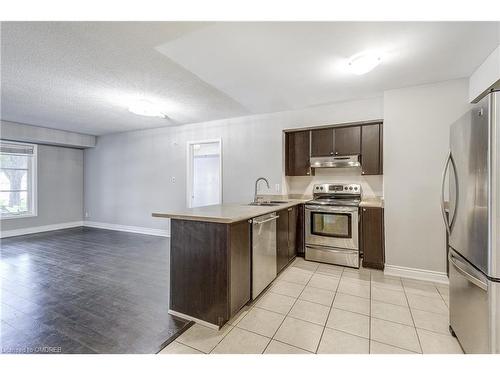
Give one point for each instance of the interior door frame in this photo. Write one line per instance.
(189, 162)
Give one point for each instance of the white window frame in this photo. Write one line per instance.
(189, 174)
(33, 212)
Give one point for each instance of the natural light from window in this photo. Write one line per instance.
(17, 180)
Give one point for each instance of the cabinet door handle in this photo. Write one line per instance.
(364, 209)
(290, 209)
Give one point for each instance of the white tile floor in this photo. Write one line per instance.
(320, 308)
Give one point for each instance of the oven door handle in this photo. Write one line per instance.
(331, 209)
(343, 251)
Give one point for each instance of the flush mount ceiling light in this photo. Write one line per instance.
(144, 107)
(363, 63)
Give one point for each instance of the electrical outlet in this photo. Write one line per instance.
(172, 179)
(87, 214)
(277, 188)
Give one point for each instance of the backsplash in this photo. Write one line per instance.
(372, 186)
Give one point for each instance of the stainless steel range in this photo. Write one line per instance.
(331, 224)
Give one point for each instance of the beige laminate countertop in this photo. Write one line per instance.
(228, 213)
(372, 202)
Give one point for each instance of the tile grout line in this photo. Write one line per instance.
(180, 343)
(293, 317)
(286, 315)
(329, 312)
(395, 346)
(411, 314)
(223, 337)
(287, 295)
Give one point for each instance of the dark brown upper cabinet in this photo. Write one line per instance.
(297, 153)
(322, 143)
(365, 140)
(371, 149)
(372, 237)
(347, 140)
(336, 141)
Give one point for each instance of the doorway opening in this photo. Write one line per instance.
(204, 173)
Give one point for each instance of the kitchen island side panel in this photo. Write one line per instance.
(199, 280)
(240, 265)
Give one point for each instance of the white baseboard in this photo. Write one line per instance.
(416, 273)
(127, 228)
(42, 228)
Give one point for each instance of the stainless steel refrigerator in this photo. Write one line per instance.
(473, 225)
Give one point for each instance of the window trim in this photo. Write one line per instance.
(34, 183)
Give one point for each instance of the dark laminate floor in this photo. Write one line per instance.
(86, 290)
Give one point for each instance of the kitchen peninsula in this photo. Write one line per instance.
(211, 256)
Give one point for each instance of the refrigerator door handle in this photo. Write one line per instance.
(452, 221)
(474, 280)
(443, 210)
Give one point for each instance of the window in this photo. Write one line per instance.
(17, 180)
(204, 173)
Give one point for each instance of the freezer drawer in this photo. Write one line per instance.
(469, 305)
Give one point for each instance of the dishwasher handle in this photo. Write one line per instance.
(265, 221)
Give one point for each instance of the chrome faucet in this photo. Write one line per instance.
(256, 184)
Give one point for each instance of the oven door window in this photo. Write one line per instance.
(331, 224)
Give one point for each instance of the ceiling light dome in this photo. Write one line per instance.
(363, 63)
(144, 107)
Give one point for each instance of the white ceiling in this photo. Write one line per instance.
(80, 76)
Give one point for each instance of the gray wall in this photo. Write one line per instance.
(60, 189)
(416, 140)
(129, 175)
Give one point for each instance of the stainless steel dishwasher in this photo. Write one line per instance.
(263, 252)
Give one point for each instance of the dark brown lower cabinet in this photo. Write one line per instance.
(282, 240)
(293, 230)
(286, 236)
(210, 269)
(300, 234)
(372, 237)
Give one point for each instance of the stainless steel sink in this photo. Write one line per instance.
(266, 204)
(278, 202)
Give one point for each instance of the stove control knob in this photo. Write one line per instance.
(355, 188)
(345, 187)
(321, 187)
(350, 187)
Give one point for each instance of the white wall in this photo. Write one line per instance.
(416, 139)
(486, 75)
(129, 175)
(60, 189)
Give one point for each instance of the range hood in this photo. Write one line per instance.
(348, 161)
